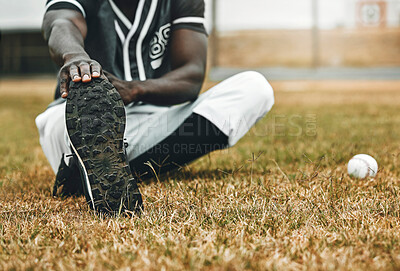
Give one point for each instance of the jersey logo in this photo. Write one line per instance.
(158, 45)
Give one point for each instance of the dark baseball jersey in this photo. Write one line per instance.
(138, 49)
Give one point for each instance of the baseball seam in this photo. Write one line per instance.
(366, 163)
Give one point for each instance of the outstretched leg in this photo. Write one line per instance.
(95, 118)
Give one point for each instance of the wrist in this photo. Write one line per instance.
(137, 91)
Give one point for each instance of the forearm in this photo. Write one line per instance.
(65, 42)
(65, 31)
(188, 59)
(178, 86)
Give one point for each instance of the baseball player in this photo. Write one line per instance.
(127, 101)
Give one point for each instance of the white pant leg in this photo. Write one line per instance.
(234, 106)
(53, 134)
(237, 103)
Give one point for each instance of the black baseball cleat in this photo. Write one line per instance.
(68, 182)
(95, 119)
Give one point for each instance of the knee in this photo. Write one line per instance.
(259, 87)
(52, 131)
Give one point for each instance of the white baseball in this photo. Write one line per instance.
(362, 166)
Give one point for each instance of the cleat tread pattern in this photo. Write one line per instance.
(95, 118)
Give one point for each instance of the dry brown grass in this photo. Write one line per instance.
(280, 199)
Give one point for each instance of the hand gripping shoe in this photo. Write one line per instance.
(95, 119)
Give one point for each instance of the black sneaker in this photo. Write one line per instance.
(95, 118)
(68, 181)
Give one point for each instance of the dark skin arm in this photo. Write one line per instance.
(65, 31)
(183, 83)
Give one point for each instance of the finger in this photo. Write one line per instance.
(103, 76)
(85, 72)
(64, 76)
(107, 75)
(110, 76)
(74, 73)
(96, 70)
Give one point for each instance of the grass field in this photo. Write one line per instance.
(280, 199)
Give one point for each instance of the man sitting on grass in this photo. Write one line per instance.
(154, 54)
